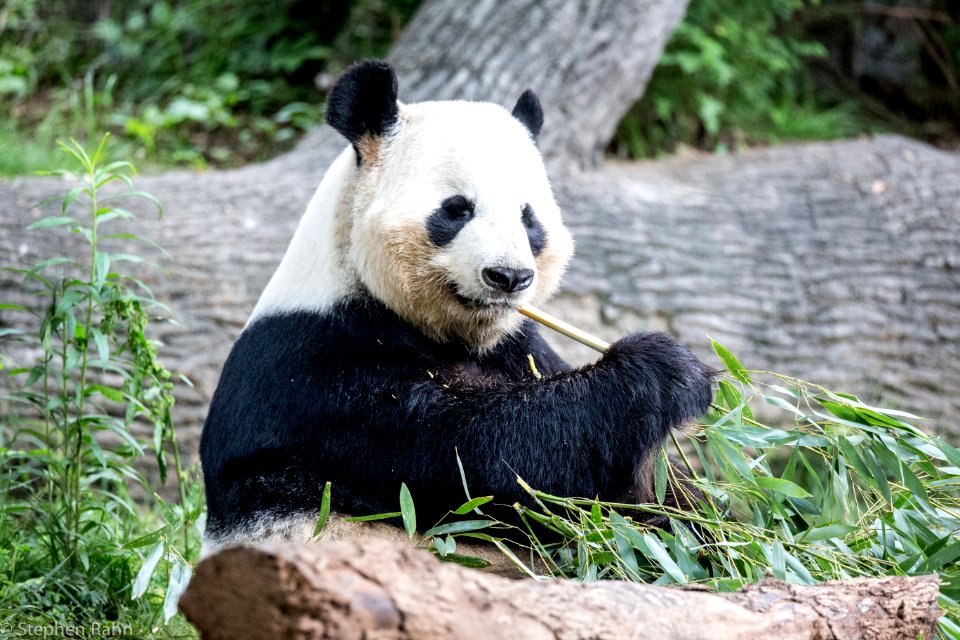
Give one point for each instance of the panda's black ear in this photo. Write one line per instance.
(363, 102)
(529, 112)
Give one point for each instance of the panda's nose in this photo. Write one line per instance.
(508, 280)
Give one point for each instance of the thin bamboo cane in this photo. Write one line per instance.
(565, 328)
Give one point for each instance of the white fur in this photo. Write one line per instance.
(264, 528)
(362, 224)
(313, 275)
(300, 528)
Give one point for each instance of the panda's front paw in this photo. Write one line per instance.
(681, 383)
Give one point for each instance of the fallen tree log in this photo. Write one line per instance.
(380, 590)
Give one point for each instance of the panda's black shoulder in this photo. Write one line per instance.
(350, 330)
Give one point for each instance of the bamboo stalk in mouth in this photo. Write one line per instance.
(565, 328)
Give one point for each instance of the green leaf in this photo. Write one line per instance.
(778, 561)
(441, 546)
(469, 506)
(660, 476)
(941, 559)
(655, 550)
(458, 527)
(375, 516)
(179, 579)
(595, 515)
(780, 403)
(52, 221)
(467, 561)
(730, 362)
(731, 397)
(142, 580)
(103, 347)
(324, 510)
(407, 511)
(824, 533)
(913, 483)
(626, 553)
(113, 395)
(724, 451)
(149, 538)
(52, 262)
(949, 451)
(854, 458)
(878, 475)
(785, 487)
(101, 268)
(463, 475)
(34, 375)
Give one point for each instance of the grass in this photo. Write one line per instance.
(24, 152)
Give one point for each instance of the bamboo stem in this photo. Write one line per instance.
(565, 328)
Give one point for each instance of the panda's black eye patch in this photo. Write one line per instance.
(536, 234)
(445, 223)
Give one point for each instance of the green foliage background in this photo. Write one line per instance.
(199, 83)
(178, 81)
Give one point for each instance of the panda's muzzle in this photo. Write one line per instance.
(508, 280)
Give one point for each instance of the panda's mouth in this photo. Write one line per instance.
(494, 304)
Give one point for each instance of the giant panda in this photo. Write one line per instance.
(388, 343)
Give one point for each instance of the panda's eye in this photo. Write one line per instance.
(457, 208)
(445, 223)
(536, 234)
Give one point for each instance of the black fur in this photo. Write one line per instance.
(363, 102)
(359, 397)
(536, 234)
(445, 223)
(529, 112)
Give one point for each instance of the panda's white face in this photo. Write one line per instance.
(453, 224)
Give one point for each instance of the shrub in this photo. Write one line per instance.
(180, 81)
(733, 73)
(70, 446)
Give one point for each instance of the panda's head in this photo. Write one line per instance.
(450, 217)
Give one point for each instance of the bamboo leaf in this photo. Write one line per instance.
(660, 476)
(471, 505)
(785, 487)
(460, 526)
(149, 538)
(824, 533)
(655, 550)
(179, 579)
(142, 580)
(374, 517)
(407, 511)
(324, 510)
(467, 561)
(730, 362)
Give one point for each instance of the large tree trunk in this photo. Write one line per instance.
(837, 262)
(379, 590)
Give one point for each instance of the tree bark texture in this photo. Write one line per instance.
(837, 262)
(379, 590)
